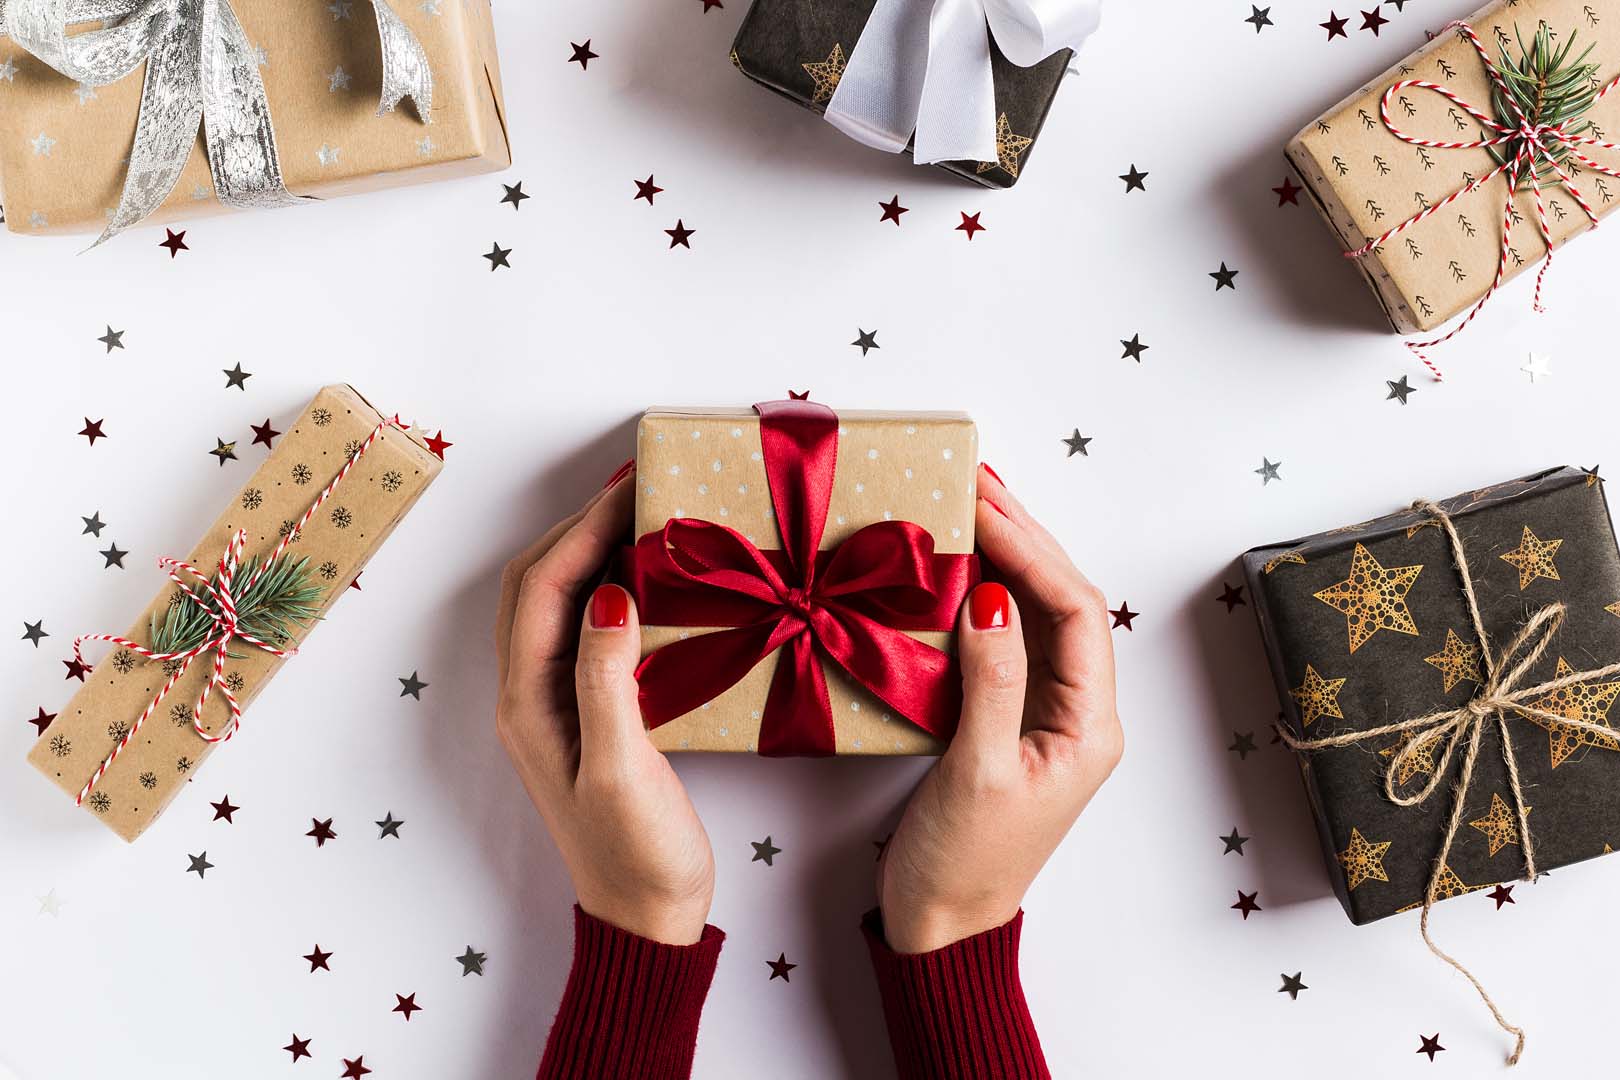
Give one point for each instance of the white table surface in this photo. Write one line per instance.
(1135, 964)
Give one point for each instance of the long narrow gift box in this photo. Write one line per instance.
(64, 148)
(334, 545)
(1365, 181)
(708, 464)
(1368, 626)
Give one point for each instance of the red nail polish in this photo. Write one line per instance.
(991, 470)
(994, 507)
(620, 473)
(610, 608)
(989, 606)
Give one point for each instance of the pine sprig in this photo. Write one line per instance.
(281, 600)
(1548, 88)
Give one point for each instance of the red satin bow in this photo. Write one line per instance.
(850, 605)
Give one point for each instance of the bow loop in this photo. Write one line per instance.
(924, 69)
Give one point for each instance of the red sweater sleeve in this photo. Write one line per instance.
(958, 1013)
(631, 1006)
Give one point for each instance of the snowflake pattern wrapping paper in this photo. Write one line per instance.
(1365, 181)
(336, 542)
(63, 148)
(1367, 625)
(799, 48)
(708, 464)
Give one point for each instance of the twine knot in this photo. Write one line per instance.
(1499, 698)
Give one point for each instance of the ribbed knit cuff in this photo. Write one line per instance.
(957, 1013)
(631, 1007)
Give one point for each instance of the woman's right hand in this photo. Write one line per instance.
(1038, 736)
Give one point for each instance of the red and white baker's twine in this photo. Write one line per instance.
(1538, 144)
(226, 627)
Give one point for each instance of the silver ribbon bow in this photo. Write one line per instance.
(200, 69)
(923, 66)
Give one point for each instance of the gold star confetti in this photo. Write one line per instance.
(1583, 701)
(1286, 557)
(1009, 148)
(1459, 660)
(1363, 861)
(1501, 825)
(1317, 697)
(1420, 760)
(1534, 558)
(825, 75)
(1373, 597)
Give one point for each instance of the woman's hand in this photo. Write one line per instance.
(1038, 736)
(638, 854)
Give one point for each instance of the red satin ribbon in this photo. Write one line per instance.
(851, 605)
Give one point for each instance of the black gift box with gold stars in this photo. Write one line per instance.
(1368, 626)
(799, 47)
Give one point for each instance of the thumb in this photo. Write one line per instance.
(990, 643)
(605, 676)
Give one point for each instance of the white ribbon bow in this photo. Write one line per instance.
(925, 68)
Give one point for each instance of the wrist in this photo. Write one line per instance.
(667, 924)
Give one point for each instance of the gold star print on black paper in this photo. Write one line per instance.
(1458, 661)
(1363, 861)
(1373, 597)
(1419, 761)
(1286, 557)
(1586, 701)
(1534, 558)
(1501, 825)
(1009, 148)
(824, 74)
(1317, 697)
(1445, 887)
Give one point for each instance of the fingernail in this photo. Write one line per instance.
(620, 473)
(994, 507)
(989, 606)
(991, 470)
(610, 608)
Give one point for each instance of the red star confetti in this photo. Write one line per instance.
(1247, 903)
(646, 189)
(264, 433)
(354, 1070)
(175, 242)
(582, 54)
(77, 669)
(707, 4)
(1123, 616)
(1431, 1045)
(1287, 192)
(224, 809)
(92, 430)
(355, 584)
(438, 445)
(1373, 20)
(678, 235)
(970, 224)
(780, 968)
(322, 832)
(892, 210)
(407, 1005)
(43, 720)
(1502, 894)
(298, 1047)
(317, 959)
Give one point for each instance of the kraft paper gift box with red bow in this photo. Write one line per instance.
(1398, 171)
(324, 500)
(268, 102)
(798, 575)
(992, 69)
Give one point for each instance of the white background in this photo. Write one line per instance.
(1134, 963)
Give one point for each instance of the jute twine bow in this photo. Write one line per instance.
(1499, 697)
(225, 623)
(1528, 146)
